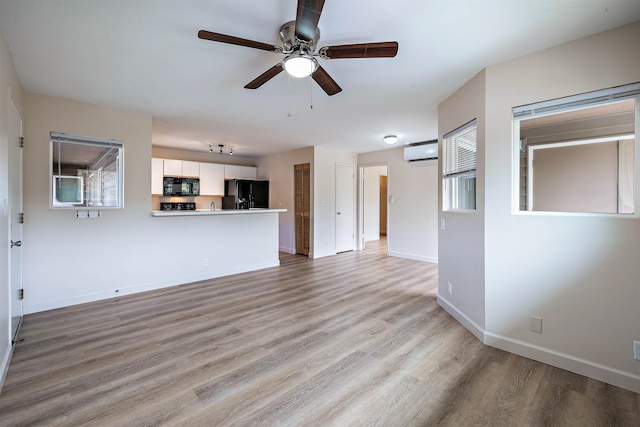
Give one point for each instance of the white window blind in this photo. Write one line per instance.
(575, 102)
(460, 151)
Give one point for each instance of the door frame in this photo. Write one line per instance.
(16, 308)
(360, 226)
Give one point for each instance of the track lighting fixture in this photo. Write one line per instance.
(221, 149)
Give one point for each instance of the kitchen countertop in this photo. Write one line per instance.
(201, 212)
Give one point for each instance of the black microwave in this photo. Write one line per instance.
(183, 187)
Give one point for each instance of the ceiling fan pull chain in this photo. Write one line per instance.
(289, 97)
(311, 92)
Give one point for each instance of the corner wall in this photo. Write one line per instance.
(278, 168)
(72, 261)
(578, 272)
(461, 243)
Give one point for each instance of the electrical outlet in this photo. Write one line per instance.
(82, 214)
(636, 350)
(535, 324)
(94, 214)
(205, 261)
(443, 224)
(450, 288)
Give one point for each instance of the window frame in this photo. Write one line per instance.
(63, 138)
(459, 170)
(567, 104)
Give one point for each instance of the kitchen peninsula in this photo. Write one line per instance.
(206, 212)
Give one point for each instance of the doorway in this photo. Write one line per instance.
(302, 189)
(374, 203)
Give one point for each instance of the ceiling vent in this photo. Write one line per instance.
(422, 151)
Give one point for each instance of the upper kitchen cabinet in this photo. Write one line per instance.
(181, 168)
(211, 179)
(157, 173)
(240, 172)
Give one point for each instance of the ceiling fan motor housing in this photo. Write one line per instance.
(291, 43)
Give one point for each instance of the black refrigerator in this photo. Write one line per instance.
(246, 194)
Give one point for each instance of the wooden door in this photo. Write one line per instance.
(383, 205)
(302, 180)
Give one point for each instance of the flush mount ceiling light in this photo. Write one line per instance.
(390, 139)
(300, 64)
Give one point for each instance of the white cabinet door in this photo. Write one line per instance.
(211, 179)
(191, 169)
(172, 167)
(249, 172)
(157, 172)
(232, 171)
(181, 168)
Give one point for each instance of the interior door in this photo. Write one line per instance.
(15, 218)
(345, 209)
(302, 174)
(383, 205)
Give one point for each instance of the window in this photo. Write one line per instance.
(459, 168)
(86, 172)
(577, 154)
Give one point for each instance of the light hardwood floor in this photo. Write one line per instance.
(352, 339)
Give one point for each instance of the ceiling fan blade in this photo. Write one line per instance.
(223, 38)
(360, 50)
(265, 77)
(325, 81)
(307, 18)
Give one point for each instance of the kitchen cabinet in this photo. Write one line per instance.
(240, 172)
(157, 173)
(191, 169)
(211, 179)
(181, 168)
(249, 172)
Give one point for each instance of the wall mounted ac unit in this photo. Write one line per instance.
(420, 152)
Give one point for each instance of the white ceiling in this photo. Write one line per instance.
(145, 55)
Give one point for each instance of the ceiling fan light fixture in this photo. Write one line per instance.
(390, 139)
(300, 65)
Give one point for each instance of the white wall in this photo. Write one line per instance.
(10, 89)
(278, 169)
(412, 218)
(578, 272)
(461, 243)
(324, 205)
(371, 201)
(72, 261)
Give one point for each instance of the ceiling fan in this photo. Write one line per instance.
(299, 39)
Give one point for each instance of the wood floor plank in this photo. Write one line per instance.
(355, 339)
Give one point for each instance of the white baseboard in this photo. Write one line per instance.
(468, 323)
(412, 256)
(607, 374)
(287, 250)
(142, 287)
(4, 367)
